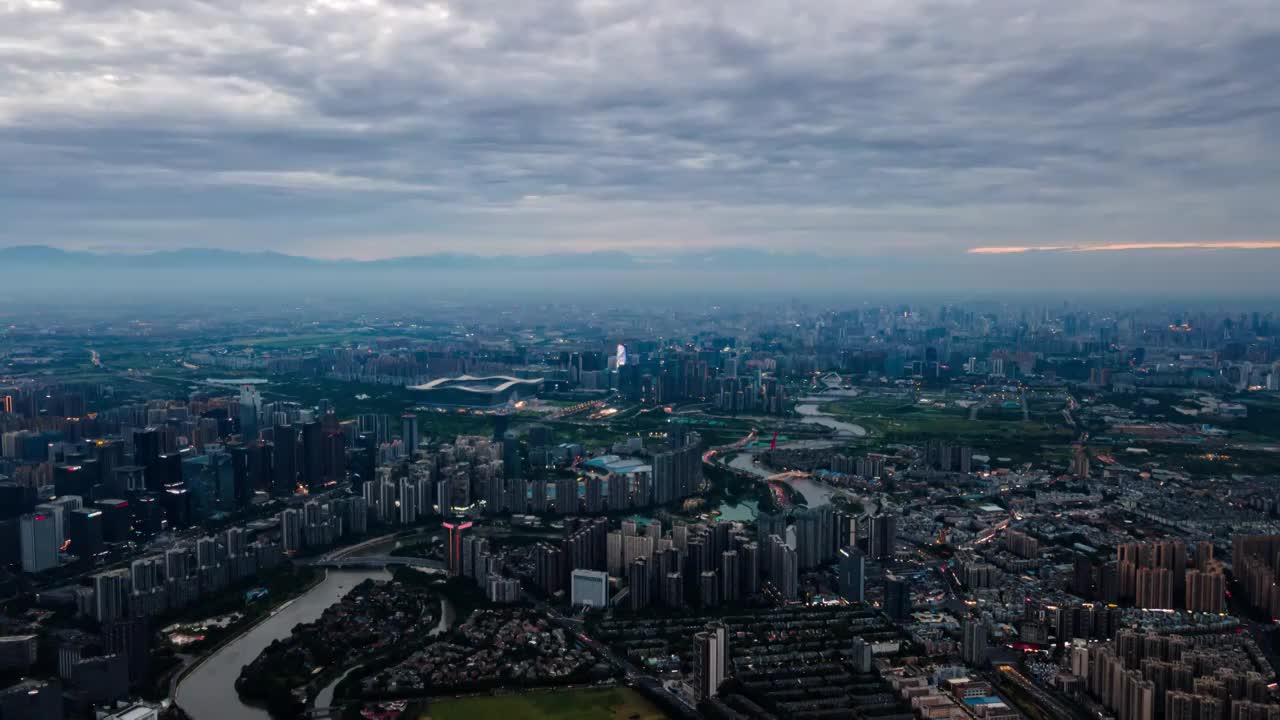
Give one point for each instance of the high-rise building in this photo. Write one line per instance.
(40, 541)
(815, 528)
(784, 568)
(851, 570)
(85, 531)
(291, 524)
(882, 537)
(589, 588)
(974, 642)
(709, 589)
(409, 433)
(897, 598)
(673, 590)
(111, 591)
(456, 531)
(730, 577)
(639, 585)
(711, 660)
(409, 501)
(250, 410)
(312, 455)
(284, 460)
(511, 466)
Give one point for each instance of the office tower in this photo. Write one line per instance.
(250, 410)
(312, 476)
(164, 471)
(111, 595)
(897, 598)
(147, 446)
(179, 506)
(711, 660)
(511, 455)
(85, 531)
(40, 541)
(974, 642)
(882, 537)
(60, 509)
(455, 531)
(851, 570)
(409, 434)
(74, 479)
(639, 585)
(730, 579)
(130, 639)
(284, 460)
(589, 588)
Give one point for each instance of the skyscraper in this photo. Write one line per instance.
(711, 660)
(312, 455)
(453, 546)
(882, 537)
(851, 571)
(974, 642)
(250, 410)
(409, 433)
(897, 598)
(40, 541)
(284, 464)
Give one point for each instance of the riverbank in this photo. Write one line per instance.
(206, 690)
(193, 664)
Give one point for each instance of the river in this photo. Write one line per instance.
(209, 691)
(811, 414)
(814, 492)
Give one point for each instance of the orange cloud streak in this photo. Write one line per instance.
(1115, 247)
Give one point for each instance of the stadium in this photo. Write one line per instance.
(477, 393)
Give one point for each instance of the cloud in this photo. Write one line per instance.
(1121, 247)
(868, 129)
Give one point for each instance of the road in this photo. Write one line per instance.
(633, 675)
(1051, 705)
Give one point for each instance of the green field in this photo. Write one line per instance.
(602, 704)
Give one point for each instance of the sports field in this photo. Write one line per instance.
(602, 704)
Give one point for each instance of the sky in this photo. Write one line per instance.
(870, 129)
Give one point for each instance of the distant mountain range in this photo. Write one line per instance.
(43, 257)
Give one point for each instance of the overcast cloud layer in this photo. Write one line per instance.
(376, 128)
